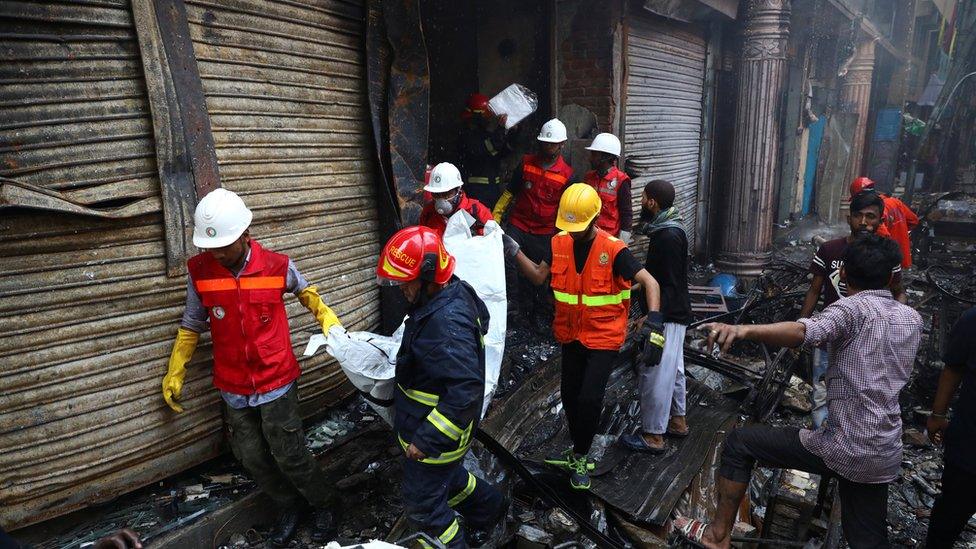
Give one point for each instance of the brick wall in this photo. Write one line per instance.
(585, 60)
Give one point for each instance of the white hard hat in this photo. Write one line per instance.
(220, 218)
(444, 177)
(605, 142)
(553, 131)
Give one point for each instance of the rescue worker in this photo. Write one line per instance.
(440, 377)
(445, 186)
(613, 185)
(899, 219)
(483, 144)
(591, 277)
(235, 288)
(536, 186)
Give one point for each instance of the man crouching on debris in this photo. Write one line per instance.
(440, 377)
(872, 341)
(591, 276)
(236, 286)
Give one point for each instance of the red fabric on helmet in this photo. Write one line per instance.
(403, 256)
(860, 185)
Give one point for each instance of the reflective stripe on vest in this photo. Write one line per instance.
(245, 283)
(592, 305)
(591, 300)
(478, 180)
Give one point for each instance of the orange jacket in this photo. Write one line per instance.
(591, 306)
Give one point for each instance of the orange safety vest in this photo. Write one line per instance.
(591, 306)
(251, 341)
(609, 188)
(536, 206)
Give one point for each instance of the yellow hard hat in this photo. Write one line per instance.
(579, 205)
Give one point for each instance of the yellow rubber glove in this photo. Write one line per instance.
(183, 347)
(501, 206)
(309, 297)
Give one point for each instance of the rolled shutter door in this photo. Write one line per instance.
(663, 117)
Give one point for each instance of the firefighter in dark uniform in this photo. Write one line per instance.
(440, 376)
(483, 144)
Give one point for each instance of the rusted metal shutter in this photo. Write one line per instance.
(663, 109)
(73, 111)
(87, 314)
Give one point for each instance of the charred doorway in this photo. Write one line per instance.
(484, 47)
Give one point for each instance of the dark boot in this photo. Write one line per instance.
(479, 536)
(324, 526)
(285, 527)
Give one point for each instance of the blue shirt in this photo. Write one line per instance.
(196, 318)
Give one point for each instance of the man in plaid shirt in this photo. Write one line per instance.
(872, 342)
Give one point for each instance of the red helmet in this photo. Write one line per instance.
(860, 185)
(478, 103)
(414, 252)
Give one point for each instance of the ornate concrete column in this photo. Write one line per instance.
(747, 239)
(855, 96)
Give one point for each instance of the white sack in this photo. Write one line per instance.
(516, 101)
(369, 360)
(480, 261)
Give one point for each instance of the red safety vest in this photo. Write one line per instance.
(608, 186)
(536, 206)
(251, 342)
(591, 306)
(481, 214)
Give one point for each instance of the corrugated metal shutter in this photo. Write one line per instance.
(86, 312)
(87, 315)
(285, 89)
(73, 110)
(663, 116)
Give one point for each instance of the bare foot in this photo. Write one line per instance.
(711, 540)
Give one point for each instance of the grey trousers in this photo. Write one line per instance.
(662, 387)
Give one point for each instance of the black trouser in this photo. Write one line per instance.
(864, 507)
(532, 301)
(269, 442)
(432, 494)
(584, 381)
(953, 508)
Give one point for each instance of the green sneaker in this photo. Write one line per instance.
(579, 476)
(565, 460)
(562, 460)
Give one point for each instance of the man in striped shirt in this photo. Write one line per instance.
(873, 340)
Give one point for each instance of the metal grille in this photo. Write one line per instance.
(663, 116)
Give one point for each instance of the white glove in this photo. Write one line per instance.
(625, 236)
